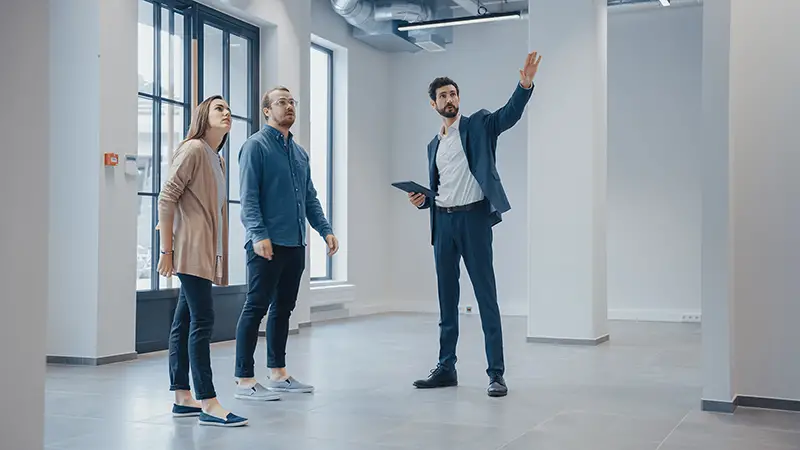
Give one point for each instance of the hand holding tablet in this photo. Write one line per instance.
(414, 188)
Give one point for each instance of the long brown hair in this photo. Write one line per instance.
(199, 124)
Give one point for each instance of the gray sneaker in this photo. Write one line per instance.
(289, 385)
(255, 393)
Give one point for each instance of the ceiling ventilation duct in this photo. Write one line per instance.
(377, 24)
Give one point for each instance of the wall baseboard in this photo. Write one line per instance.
(432, 307)
(780, 404)
(718, 406)
(567, 341)
(292, 332)
(749, 401)
(81, 361)
(323, 294)
(655, 315)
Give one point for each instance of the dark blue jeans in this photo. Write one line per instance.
(190, 338)
(467, 234)
(272, 291)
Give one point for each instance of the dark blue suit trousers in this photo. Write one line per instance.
(467, 235)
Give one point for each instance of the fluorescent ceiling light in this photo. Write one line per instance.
(461, 21)
(664, 2)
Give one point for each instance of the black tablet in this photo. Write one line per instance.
(413, 187)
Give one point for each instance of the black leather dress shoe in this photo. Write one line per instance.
(439, 377)
(497, 386)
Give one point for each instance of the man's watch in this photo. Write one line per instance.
(166, 253)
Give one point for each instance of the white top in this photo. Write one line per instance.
(457, 185)
(216, 166)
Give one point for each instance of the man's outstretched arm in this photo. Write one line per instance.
(508, 116)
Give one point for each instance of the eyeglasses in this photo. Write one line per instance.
(284, 102)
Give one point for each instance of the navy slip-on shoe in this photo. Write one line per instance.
(185, 411)
(231, 421)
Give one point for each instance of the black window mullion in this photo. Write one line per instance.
(226, 94)
(156, 238)
(200, 36)
(188, 35)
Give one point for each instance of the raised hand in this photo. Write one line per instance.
(529, 69)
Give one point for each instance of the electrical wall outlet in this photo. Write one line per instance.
(466, 309)
(693, 318)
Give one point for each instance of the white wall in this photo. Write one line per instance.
(23, 230)
(368, 126)
(654, 126)
(484, 60)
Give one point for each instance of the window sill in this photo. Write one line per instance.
(326, 293)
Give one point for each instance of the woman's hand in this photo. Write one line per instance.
(165, 267)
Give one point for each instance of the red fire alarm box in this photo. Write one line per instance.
(111, 159)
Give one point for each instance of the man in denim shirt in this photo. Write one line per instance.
(277, 197)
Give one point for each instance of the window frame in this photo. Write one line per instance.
(195, 16)
(329, 169)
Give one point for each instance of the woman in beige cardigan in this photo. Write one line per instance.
(193, 225)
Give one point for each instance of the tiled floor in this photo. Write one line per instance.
(639, 391)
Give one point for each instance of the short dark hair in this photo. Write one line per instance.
(441, 82)
(265, 99)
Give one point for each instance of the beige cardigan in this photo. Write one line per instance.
(189, 196)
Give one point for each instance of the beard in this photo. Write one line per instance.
(287, 121)
(449, 111)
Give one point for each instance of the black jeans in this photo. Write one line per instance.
(272, 286)
(190, 338)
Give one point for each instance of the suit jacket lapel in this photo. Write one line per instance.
(463, 126)
(433, 147)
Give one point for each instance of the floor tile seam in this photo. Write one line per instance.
(538, 425)
(673, 430)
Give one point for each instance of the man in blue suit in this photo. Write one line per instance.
(471, 200)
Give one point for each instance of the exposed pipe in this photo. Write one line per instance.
(405, 11)
(365, 15)
(358, 13)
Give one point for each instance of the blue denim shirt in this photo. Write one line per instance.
(276, 190)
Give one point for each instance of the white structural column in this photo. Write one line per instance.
(716, 232)
(750, 204)
(567, 173)
(93, 214)
(25, 150)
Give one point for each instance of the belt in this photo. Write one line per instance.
(459, 208)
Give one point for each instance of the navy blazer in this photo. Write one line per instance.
(479, 134)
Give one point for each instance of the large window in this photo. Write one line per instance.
(321, 151)
(188, 52)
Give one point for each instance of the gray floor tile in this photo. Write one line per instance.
(746, 429)
(420, 435)
(580, 430)
(629, 394)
